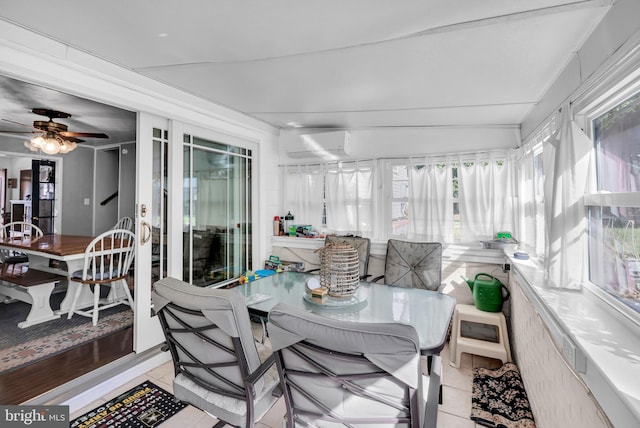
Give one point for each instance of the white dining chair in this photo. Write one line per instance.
(125, 223)
(107, 260)
(22, 229)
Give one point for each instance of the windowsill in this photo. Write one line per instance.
(598, 342)
(468, 252)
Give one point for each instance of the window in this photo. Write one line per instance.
(538, 196)
(399, 200)
(445, 199)
(420, 202)
(614, 211)
(336, 196)
(530, 181)
(217, 212)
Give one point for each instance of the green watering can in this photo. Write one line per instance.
(487, 292)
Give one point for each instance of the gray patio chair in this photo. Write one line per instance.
(218, 364)
(413, 265)
(344, 373)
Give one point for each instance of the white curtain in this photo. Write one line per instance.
(566, 168)
(486, 199)
(304, 194)
(210, 204)
(350, 199)
(430, 201)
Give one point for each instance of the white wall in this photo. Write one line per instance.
(601, 47)
(396, 142)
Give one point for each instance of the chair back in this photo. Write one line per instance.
(344, 372)
(21, 229)
(125, 223)
(16, 229)
(413, 264)
(209, 334)
(362, 245)
(108, 257)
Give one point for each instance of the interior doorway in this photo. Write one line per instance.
(25, 184)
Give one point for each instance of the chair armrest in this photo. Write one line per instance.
(251, 380)
(312, 270)
(377, 278)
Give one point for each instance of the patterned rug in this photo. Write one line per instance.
(23, 346)
(145, 406)
(499, 399)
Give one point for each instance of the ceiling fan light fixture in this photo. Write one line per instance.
(67, 146)
(29, 145)
(50, 144)
(38, 142)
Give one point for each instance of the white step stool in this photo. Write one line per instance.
(459, 344)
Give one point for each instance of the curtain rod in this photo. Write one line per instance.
(466, 153)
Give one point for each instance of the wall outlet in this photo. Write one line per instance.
(506, 267)
(87, 201)
(569, 351)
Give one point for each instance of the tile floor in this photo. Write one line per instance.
(453, 413)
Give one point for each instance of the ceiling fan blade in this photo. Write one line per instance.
(75, 140)
(83, 134)
(19, 132)
(17, 123)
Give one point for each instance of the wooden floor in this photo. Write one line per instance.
(25, 383)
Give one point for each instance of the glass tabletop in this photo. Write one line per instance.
(429, 312)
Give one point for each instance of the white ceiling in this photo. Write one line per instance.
(334, 63)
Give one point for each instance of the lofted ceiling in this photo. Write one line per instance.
(330, 64)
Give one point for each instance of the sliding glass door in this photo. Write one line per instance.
(217, 211)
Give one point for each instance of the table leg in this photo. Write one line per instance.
(433, 393)
(40, 306)
(86, 296)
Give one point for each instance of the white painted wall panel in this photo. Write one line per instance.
(395, 142)
(557, 397)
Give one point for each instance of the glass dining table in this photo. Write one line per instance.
(429, 312)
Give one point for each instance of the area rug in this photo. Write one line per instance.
(499, 399)
(145, 406)
(23, 346)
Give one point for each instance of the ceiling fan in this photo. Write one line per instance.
(53, 137)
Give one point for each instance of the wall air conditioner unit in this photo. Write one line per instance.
(327, 145)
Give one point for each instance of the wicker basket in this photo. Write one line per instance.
(339, 269)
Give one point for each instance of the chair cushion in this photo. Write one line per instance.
(393, 347)
(13, 260)
(101, 277)
(413, 264)
(226, 308)
(226, 408)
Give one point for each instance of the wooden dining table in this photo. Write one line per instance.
(67, 250)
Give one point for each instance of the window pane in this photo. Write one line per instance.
(617, 142)
(217, 213)
(614, 252)
(400, 218)
(400, 182)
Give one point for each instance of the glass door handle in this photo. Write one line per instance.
(146, 232)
